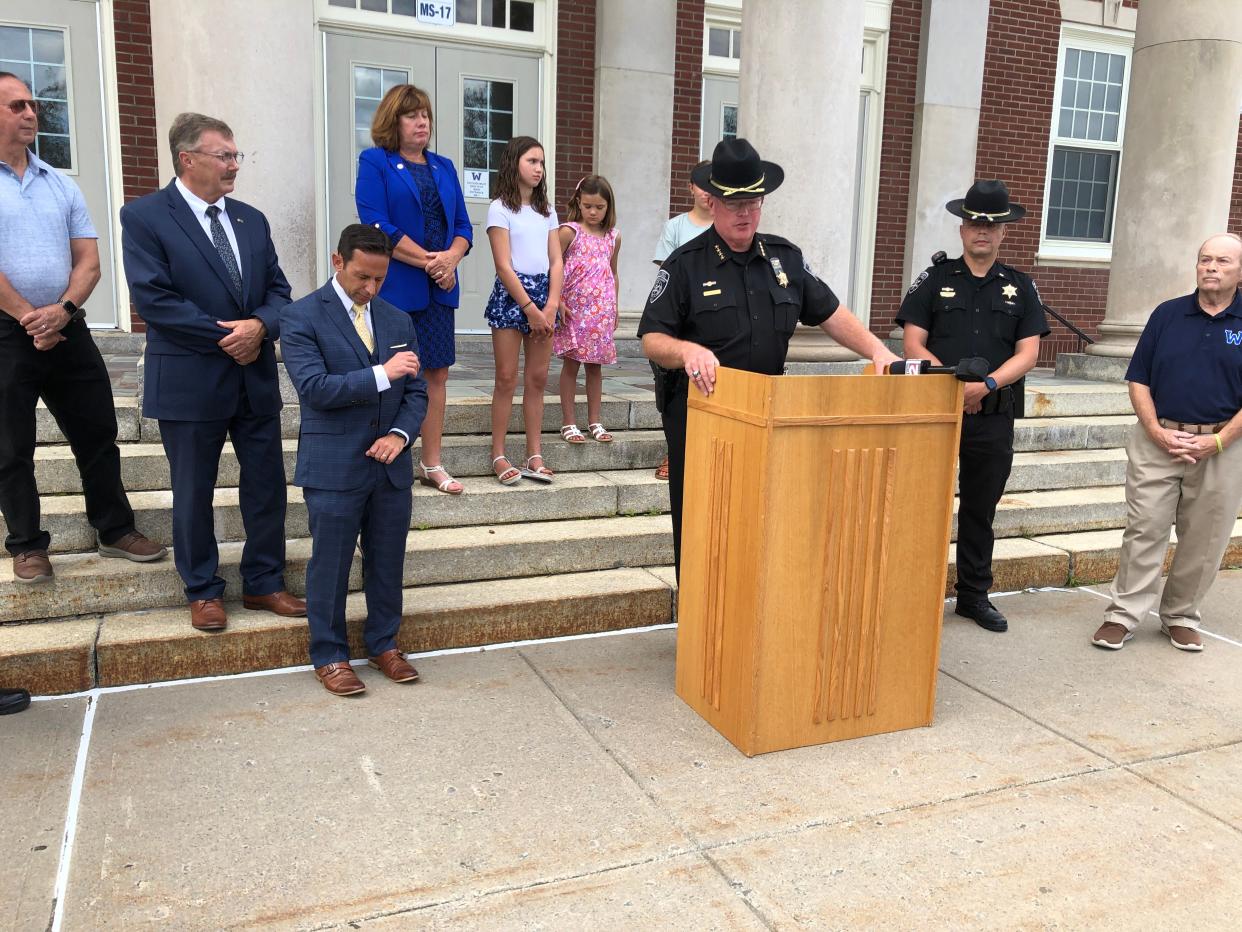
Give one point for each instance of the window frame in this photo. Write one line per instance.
(1083, 37)
(722, 16)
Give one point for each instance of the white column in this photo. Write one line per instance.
(801, 62)
(952, 47)
(635, 44)
(1177, 157)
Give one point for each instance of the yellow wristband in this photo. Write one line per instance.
(1220, 447)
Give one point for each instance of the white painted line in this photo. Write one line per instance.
(1156, 615)
(306, 668)
(71, 819)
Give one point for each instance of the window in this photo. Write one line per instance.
(37, 56)
(728, 121)
(518, 15)
(1088, 123)
(487, 124)
(371, 83)
(723, 42)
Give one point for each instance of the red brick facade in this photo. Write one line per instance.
(131, 21)
(887, 284)
(687, 102)
(575, 93)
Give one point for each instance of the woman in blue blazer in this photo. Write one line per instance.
(414, 196)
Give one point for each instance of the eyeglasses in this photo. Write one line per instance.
(17, 106)
(747, 206)
(224, 157)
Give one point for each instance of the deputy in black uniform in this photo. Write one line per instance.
(733, 297)
(976, 306)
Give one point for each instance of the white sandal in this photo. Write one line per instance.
(542, 474)
(600, 433)
(571, 434)
(506, 476)
(444, 486)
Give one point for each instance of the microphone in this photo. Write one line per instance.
(969, 369)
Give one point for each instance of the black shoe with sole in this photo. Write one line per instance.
(13, 700)
(984, 614)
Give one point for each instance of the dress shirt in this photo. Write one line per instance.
(382, 382)
(198, 207)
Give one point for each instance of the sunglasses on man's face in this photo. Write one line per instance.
(17, 106)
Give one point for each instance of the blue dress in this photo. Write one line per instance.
(433, 324)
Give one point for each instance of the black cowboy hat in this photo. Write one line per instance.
(987, 201)
(736, 172)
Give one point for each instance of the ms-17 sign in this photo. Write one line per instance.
(436, 14)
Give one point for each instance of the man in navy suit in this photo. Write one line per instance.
(353, 360)
(204, 276)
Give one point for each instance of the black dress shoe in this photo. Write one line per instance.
(13, 700)
(983, 613)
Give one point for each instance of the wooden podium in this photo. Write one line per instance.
(815, 538)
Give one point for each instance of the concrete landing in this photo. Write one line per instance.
(562, 785)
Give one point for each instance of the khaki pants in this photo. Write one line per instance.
(1201, 500)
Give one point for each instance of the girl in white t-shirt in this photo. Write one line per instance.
(521, 311)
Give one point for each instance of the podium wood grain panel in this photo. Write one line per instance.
(815, 540)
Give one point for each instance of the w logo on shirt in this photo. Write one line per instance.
(1233, 337)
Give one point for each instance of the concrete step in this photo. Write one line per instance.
(1066, 469)
(577, 495)
(463, 415)
(158, 644)
(87, 584)
(1072, 433)
(1049, 396)
(572, 495)
(123, 646)
(144, 466)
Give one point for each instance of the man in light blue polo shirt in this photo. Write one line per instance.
(49, 264)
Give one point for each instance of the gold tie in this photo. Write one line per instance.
(360, 324)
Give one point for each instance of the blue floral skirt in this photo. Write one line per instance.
(502, 312)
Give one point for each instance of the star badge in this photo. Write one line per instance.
(1010, 292)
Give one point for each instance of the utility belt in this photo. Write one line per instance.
(1000, 401)
(669, 384)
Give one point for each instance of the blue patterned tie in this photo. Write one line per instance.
(221, 242)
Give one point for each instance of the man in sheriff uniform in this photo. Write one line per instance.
(733, 297)
(974, 306)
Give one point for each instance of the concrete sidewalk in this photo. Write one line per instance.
(563, 786)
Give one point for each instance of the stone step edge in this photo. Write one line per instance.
(65, 655)
(127, 648)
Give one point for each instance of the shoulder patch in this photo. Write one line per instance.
(661, 283)
(923, 276)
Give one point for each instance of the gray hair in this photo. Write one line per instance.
(187, 129)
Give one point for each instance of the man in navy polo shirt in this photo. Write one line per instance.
(1185, 470)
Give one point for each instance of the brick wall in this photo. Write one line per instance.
(575, 96)
(1019, 77)
(887, 284)
(687, 102)
(136, 104)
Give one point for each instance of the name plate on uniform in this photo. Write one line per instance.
(437, 14)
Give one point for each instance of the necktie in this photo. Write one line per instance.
(360, 324)
(221, 242)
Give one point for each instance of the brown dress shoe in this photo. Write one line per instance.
(281, 603)
(134, 546)
(340, 679)
(208, 615)
(32, 566)
(392, 664)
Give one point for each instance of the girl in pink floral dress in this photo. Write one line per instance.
(584, 332)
